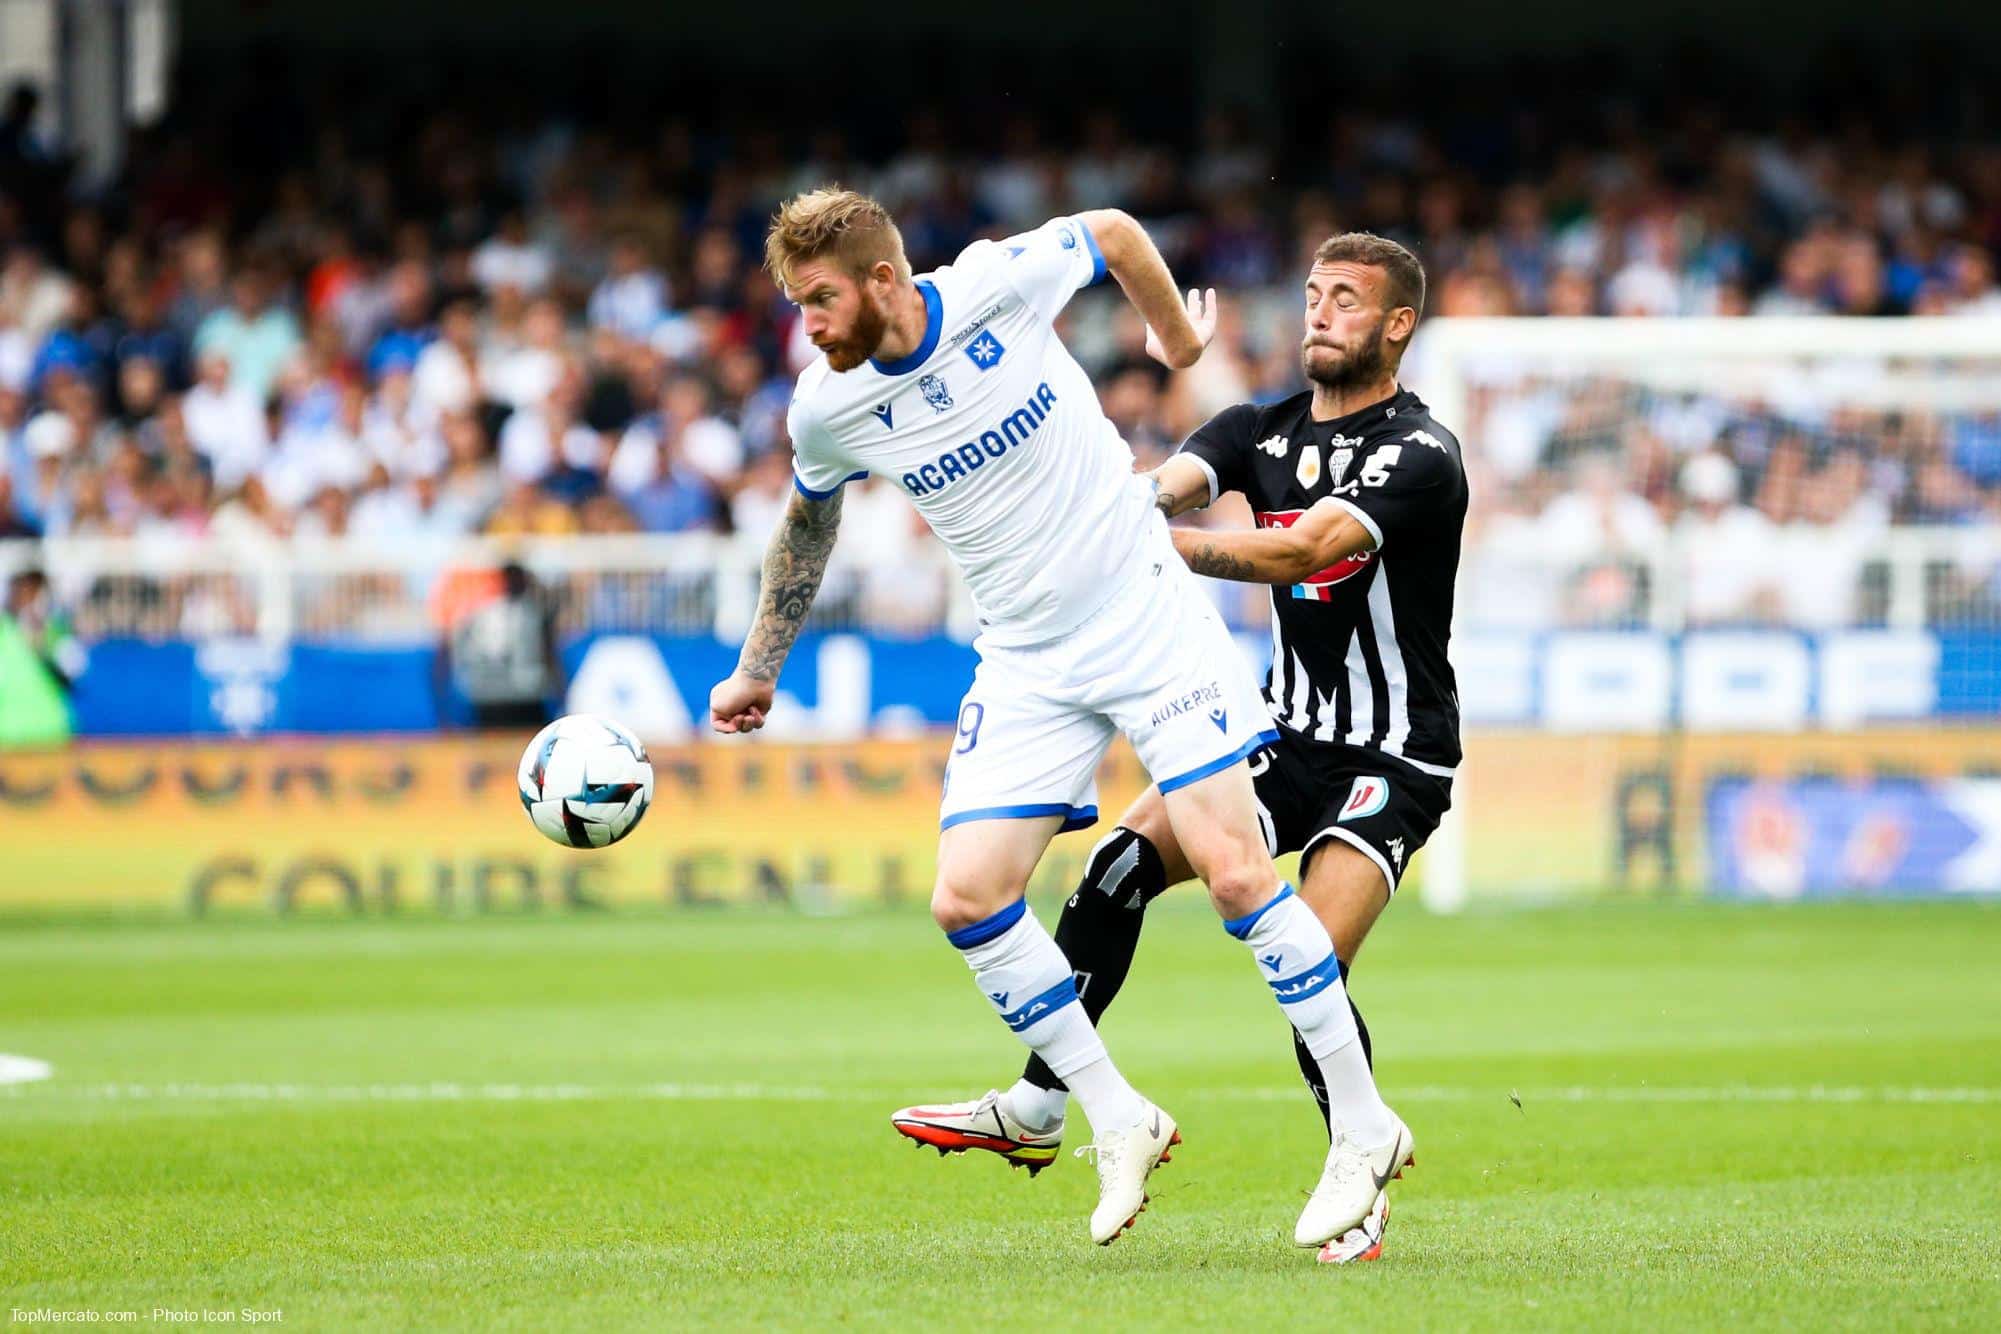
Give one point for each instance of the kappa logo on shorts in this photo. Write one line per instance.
(1396, 852)
(1369, 795)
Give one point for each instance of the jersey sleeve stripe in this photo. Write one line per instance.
(1361, 517)
(1098, 268)
(811, 494)
(1215, 488)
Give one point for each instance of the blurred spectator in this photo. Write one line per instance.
(501, 655)
(1729, 550)
(40, 660)
(255, 335)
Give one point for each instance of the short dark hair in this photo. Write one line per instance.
(1406, 275)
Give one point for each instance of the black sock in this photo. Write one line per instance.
(1099, 929)
(1309, 1069)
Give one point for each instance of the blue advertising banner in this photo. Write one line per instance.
(1819, 837)
(844, 685)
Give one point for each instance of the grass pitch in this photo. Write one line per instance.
(1728, 1116)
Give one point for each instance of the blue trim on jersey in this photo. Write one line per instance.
(1048, 1003)
(934, 310)
(1306, 985)
(1074, 817)
(1240, 927)
(811, 494)
(1098, 269)
(980, 932)
(1265, 738)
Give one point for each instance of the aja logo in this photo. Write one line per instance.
(935, 393)
(986, 350)
(1368, 796)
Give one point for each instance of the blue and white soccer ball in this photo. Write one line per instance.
(585, 781)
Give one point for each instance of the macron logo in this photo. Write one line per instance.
(882, 411)
(1272, 961)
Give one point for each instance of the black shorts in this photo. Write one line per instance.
(1313, 791)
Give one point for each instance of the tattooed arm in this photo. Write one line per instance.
(1325, 535)
(794, 565)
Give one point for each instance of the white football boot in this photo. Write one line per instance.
(1362, 1242)
(1354, 1176)
(984, 1123)
(1126, 1156)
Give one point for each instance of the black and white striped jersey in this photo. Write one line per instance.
(1359, 649)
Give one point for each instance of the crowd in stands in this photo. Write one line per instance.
(554, 328)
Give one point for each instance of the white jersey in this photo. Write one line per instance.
(995, 433)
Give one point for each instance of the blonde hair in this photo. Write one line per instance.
(851, 228)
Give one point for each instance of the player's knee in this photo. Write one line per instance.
(958, 902)
(1239, 886)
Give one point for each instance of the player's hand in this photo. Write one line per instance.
(739, 703)
(1201, 317)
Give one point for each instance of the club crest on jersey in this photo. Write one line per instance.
(1337, 464)
(1308, 471)
(1368, 796)
(881, 411)
(985, 351)
(934, 391)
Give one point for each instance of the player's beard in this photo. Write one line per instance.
(1359, 365)
(871, 323)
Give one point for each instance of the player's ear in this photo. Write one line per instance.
(1402, 323)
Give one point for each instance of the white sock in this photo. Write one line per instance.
(1034, 1106)
(1021, 970)
(1296, 956)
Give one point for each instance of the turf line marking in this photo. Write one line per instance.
(23, 1069)
(1830, 1093)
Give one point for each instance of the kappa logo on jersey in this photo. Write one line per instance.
(972, 456)
(934, 391)
(1427, 438)
(1368, 796)
(1319, 587)
(985, 351)
(881, 411)
(1275, 445)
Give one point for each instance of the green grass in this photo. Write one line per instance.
(1717, 1125)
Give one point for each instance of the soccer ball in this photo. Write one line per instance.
(585, 781)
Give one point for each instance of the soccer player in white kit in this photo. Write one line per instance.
(954, 386)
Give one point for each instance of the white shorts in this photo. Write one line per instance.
(1155, 662)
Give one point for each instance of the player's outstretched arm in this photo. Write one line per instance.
(1176, 332)
(794, 565)
(1180, 485)
(1325, 535)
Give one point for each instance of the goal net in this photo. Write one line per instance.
(1729, 614)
